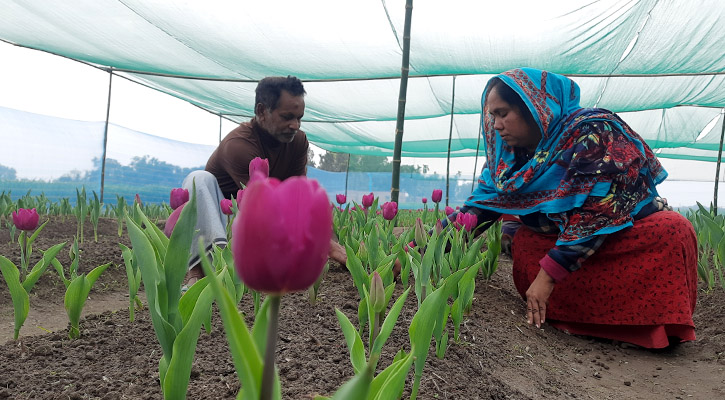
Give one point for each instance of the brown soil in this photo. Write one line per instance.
(499, 356)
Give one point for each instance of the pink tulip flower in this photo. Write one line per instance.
(425, 200)
(390, 209)
(449, 210)
(341, 199)
(437, 196)
(467, 221)
(368, 199)
(178, 197)
(172, 220)
(258, 166)
(25, 219)
(281, 241)
(226, 206)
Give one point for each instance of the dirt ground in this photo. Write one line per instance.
(499, 355)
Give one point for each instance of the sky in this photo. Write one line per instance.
(45, 84)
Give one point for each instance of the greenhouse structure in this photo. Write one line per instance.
(659, 64)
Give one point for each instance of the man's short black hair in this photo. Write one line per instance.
(270, 89)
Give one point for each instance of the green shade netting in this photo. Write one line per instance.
(660, 63)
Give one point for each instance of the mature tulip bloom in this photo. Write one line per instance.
(390, 209)
(178, 197)
(226, 206)
(425, 200)
(258, 165)
(437, 196)
(449, 210)
(467, 221)
(367, 200)
(26, 220)
(281, 238)
(341, 199)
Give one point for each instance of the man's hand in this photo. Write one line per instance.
(537, 298)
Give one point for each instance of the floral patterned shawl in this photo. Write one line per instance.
(590, 172)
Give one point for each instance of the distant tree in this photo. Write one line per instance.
(337, 162)
(141, 170)
(334, 162)
(7, 173)
(310, 158)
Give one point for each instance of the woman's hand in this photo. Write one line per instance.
(537, 298)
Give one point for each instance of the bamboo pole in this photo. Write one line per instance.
(719, 160)
(405, 68)
(347, 173)
(105, 133)
(478, 146)
(450, 139)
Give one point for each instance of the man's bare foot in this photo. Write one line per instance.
(337, 253)
(192, 276)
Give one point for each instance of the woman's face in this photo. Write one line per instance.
(511, 124)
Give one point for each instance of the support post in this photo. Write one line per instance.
(450, 139)
(478, 146)
(404, 70)
(220, 128)
(105, 133)
(719, 160)
(347, 173)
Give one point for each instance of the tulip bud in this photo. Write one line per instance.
(285, 250)
(439, 227)
(421, 236)
(240, 193)
(425, 200)
(377, 293)
(437, 196)
(258, 167)
(390, 209)
(362, 252)
(26, 220)
(178, 197)
(226, 206)
(449, 210)
(172, 220)
(367, 200)
(341, 199)
(138, 199)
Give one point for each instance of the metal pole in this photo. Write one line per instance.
(220, 128)
(397, 151)
(478, 146)
(719, 159)
(450, 139)
(347, 172)
(105, 133)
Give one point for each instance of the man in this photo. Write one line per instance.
(273, 134)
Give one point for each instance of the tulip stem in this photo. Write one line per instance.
(268, 372)
(23, 239)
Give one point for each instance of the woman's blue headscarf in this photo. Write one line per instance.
(572, 161)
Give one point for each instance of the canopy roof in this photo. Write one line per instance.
(659, 63)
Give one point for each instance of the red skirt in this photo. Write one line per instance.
(639, 287)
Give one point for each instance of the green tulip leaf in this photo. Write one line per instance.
(18, 295)
(354, 342)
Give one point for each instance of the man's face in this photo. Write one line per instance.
(284, 121)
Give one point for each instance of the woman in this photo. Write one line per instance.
(599, 254)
